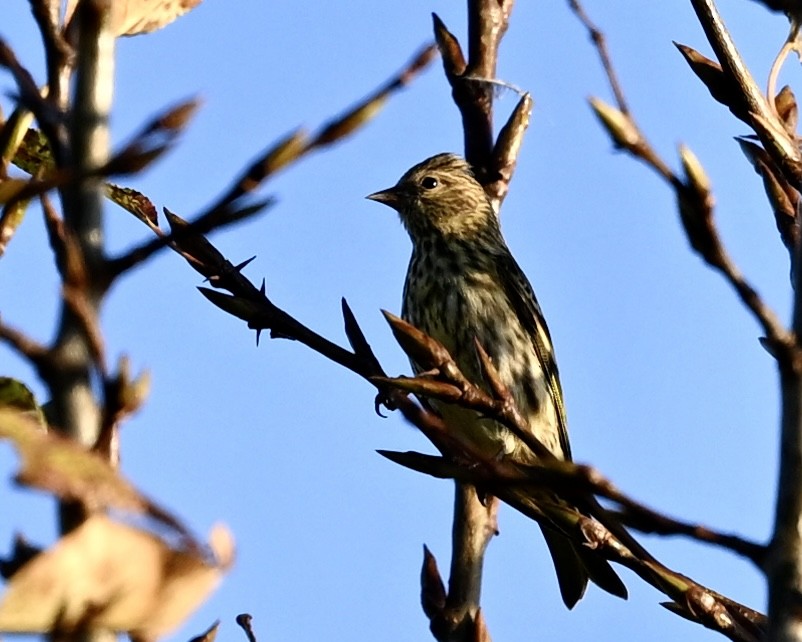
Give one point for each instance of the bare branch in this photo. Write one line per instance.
(764, 119)
(47, 115)
(76, 410)
(36, 354)
(732, 84)
(696, 212)
(298, 144)
(233, 205)
(600, 42)
(58, 53)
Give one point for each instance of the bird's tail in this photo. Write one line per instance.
(575, 565)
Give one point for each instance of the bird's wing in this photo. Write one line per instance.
(523, 300)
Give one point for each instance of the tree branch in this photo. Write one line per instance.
(75, 408)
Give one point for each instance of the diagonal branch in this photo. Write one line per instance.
(732, 84)
(511, 483)
(695, 203)
(235, 204)
(600, 42)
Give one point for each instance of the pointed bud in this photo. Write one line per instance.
(787, 110)
(720, 85)
(453, 58)
(433, 591)
(696, 209)
(694, 172)
(781, 147)
(618, 124)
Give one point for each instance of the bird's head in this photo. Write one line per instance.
(440, 196)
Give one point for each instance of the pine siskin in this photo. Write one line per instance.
(463, 284)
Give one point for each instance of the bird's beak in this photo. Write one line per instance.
(389, 197)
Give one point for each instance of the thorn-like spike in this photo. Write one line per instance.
(241, 266)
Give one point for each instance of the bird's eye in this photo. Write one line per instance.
(429, 182)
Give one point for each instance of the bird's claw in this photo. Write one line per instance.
(383, 399)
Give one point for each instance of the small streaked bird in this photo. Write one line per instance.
(463, 284)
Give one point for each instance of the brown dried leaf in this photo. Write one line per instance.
(134, 17)
(105, 575)
(134, 202)
(60, 466)
(33, 153)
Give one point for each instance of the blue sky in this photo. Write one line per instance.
(667, 389)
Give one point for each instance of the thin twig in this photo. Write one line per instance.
(696, 208)
(245, 620)
(233, 205)
(727, 54)
(36, 353)
(209, 222)
(600, 42)
(47, 115)
(767, 125)
(58, 53)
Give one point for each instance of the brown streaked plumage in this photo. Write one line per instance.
(464, 284)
